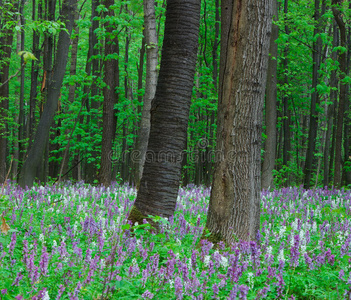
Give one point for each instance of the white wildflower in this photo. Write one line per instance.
(281, 255)
(46, 296)
(269, 250)
(178, 241)
(224, 262)
(171, 283)
(250, 278)
(41, 238)
(282, 231)
(177, 256)
(54, 244)
(102, 263)
(207, 260)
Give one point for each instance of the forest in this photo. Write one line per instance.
(306, 127)
(175, 149)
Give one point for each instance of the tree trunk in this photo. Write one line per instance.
(111, 78)
(270, 145)
(313, 128)
(150, 84)
(286, 111)
(6, 38)
(92, 120)
(41, 138)
(342, 93)
(234, 208)
(159, 184)
(330, 113)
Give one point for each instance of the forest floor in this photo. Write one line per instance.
(72, 242)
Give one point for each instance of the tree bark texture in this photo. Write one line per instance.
(270, 145)
(159, 184)
(151, 42)
(41, 138)
(111, 78)
(6, 38)
(234, 209)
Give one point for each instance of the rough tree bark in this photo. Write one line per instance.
(270, 145)
(150, 84)
(41, 138)
(111, 78)
(234, 209)
(6, 37)
(159, 184)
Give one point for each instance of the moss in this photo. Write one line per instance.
(135, 215)
(214, 238)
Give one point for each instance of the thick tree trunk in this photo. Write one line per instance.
(159, 184)
(41, 138)
(234, 210)
(111, 78)
(150, 84)
(6, 38)
(270, 145)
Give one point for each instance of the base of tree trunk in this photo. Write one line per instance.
(135, 216)
(214, 238)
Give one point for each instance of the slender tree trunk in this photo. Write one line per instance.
(313, 128)
(234, 208)
(41, 138)
(111, 79)
(286, 111)
(342, 94)
(159, 184)
(150, 84)
(94, 105)
(270, 145)
(34, 75)
(330, 114)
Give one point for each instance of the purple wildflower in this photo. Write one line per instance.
(178, 286)
(12, 243)
(17, 279)
(244, 289)
(44, 261)
(147, 295)
(215, 289)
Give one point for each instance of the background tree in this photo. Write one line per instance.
(234, 209)
(111, 79)
(151, 43)
(270, 144)
(36, 152)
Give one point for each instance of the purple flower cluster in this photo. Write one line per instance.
(72, 235)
